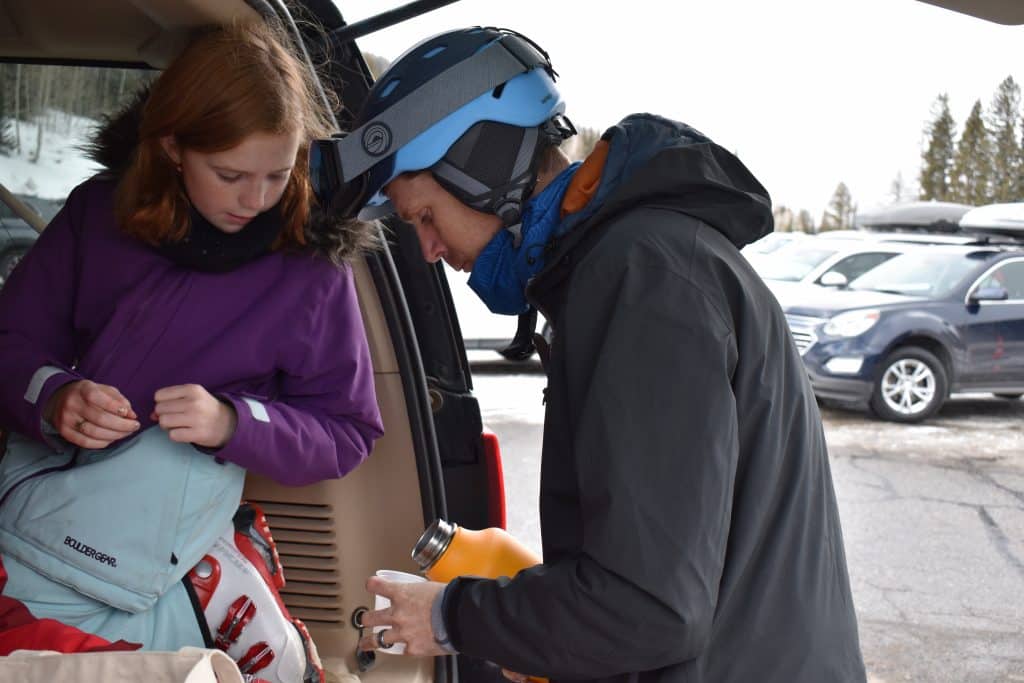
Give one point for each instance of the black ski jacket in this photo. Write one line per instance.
(689, 521)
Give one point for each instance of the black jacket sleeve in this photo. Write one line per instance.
(655, 443)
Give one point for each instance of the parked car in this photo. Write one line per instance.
(833, 261)
(771, 242)
(435, 459)
(903, 336)
(820, 262)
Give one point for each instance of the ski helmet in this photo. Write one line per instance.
(471, 105)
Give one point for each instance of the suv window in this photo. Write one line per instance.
(1009, 276)
(858, 264)
(925, 273)
(50, 112)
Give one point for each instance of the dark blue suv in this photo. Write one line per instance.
(903, 336)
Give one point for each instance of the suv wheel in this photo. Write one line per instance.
(911, 387)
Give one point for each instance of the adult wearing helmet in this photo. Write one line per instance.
(689, 522)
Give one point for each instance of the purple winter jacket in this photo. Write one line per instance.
(281, 338)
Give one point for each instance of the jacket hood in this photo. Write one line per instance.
(339, 240)
(659, 162)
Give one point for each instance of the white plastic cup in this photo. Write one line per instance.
(380, 602)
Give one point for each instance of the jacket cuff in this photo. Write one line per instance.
(249, 414)
(437, 623)
(41, 387)
(450, 610)
(256, 428)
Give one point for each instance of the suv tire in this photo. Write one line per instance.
(911, 386)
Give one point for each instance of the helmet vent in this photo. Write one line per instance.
(390, 87)
(433, 52)
(496, 93)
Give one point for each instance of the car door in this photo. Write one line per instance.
(467, 457)
(994, 335)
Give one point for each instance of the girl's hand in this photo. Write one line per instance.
(91, 415)
(191, 414)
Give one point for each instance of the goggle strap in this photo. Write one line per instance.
(450, 90)
(456, 177)
(527, 150)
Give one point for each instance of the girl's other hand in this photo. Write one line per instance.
(191, 414)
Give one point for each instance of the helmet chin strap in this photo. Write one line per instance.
(511, 215)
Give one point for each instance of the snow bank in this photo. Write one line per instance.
(61, 165)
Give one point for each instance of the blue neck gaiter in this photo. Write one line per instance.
(501, 271)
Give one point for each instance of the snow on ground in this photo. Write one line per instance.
(62, 164)
(508, 397)
(975, 427)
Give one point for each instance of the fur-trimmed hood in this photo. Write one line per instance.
(334, 238)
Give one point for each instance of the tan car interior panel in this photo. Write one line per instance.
(150, 31)
(333, 535)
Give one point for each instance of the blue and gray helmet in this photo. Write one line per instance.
(472, 106)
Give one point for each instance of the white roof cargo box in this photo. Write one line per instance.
(1002, 219)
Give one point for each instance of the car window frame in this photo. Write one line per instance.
(976, 284)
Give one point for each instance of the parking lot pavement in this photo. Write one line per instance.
(933, 519)
(974, 427)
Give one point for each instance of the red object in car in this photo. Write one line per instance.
(496, 513)
(20, 630)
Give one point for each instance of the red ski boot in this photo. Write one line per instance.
(237, 584)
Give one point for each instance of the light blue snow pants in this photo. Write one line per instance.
(101, 539)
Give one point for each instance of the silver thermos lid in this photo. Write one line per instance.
(433, 543)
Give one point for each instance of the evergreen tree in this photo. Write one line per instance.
(1019, 187)
(840, 212)
(937, 157)
(971, 176)
(1005, 148)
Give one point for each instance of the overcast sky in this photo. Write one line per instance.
(808, 92)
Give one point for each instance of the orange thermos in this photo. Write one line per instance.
(446, 550)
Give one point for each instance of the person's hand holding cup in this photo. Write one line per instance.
(381, 603)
